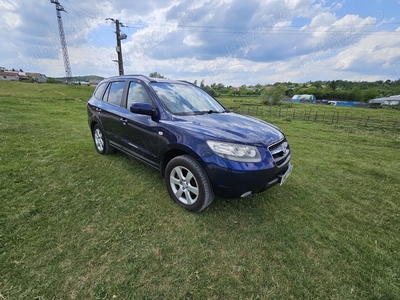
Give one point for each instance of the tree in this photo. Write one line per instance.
(208, 89)
(195, 82)
(243, 87)
(220, 86)
(51, 80)
(259, 88)
(156, 75)
(355, 94)
(333, 85)
(369, 94)
(289, 93)
(273, 95)
(317, 84)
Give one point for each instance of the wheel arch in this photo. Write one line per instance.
(175, 150)
(95, 122)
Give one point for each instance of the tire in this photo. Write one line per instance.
(188, 184)
(100, 142)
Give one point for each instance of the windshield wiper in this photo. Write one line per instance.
(203, 112)
(212, 112)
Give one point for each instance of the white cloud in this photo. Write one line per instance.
(12, 20)
(323, 19)
(192, 41)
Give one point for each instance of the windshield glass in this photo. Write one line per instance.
(186, 99)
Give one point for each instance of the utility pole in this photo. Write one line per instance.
(67, 66)
(120, 37)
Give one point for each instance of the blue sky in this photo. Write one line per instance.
(232, 41)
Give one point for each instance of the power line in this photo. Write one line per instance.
(285, 30)
(86, 29)
(96, 40)
(80, 8)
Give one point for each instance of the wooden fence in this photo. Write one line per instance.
(288, 113)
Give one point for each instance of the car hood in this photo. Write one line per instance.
(231, 127)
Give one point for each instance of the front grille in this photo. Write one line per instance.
(280, 152)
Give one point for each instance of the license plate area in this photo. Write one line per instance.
(287, 174)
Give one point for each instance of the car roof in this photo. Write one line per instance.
(146, 79)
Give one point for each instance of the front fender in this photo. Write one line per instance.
(174, 149)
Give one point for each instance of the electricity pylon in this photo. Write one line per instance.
(67, 66)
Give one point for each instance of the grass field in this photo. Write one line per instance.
(78, 225)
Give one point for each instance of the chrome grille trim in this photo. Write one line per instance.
(280, 152)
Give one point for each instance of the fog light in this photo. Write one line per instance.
(247, 194)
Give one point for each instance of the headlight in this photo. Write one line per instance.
(236, 152)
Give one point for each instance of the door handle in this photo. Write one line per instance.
(123, 120)
(98, 109)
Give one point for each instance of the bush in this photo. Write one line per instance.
(273, 95)
(51, 80)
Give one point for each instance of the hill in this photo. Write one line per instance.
(84, 78)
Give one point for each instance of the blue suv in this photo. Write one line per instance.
(201, 148)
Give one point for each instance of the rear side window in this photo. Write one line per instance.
(100, 90)
(137, 93)
(114, 92)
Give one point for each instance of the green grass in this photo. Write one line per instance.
(384, 119)
(237, 101)
(78, 225)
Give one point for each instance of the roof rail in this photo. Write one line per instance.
(140, 75)
(187, 82)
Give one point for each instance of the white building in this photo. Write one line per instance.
(392, 100)
(9, 75)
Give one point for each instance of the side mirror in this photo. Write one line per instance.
(143, 109)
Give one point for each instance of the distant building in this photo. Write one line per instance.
(32, 75)
(81, 82)
(304, 99)
(392, 100)
(21, 76)
(41, 78)
(9, 76)
(38, 77)
(343, 103)
(94, 82)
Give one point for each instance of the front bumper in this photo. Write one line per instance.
(228, 183)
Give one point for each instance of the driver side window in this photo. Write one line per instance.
(137, 93)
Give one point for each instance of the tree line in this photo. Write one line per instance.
(331, 90)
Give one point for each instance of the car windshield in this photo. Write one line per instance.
(186, 99)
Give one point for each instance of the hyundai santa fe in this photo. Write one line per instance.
(201, 148)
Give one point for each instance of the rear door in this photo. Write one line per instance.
(110, 110)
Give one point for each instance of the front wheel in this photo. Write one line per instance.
(188, 184)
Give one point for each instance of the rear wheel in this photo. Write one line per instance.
(188, 184)
(100, 142)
